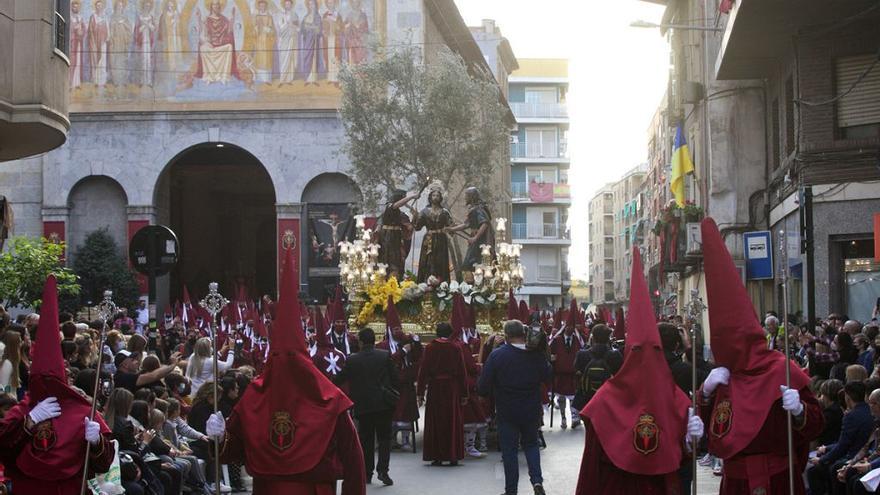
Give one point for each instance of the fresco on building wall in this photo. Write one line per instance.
(182, 51)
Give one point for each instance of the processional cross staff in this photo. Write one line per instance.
(213, 303)
(106, 310)
(695, 310)
(783, 279)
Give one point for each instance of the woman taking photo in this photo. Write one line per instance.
(200, 368)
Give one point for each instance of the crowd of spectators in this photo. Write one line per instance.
(154, 391)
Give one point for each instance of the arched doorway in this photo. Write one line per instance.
(96, 202)
(220, 201)
(329, 201)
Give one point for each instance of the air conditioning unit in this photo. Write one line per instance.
(694, 240)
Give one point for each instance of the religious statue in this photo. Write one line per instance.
(434, 255)
(395, 233)
(121, 37)
(311, 62)
(217, 59)
(479, 221)
(288, 41)
(98, 37)
(264, 45)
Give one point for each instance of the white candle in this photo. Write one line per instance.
(359, 221)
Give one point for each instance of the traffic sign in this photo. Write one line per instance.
(153, 250)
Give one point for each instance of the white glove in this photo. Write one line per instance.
(695, 426)
(718, 376)
(47, 409)
(791, 400)
(216, 426)
(93, 432)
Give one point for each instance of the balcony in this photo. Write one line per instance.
(540, 233)
(538, 153)
(540, 192)
(540, 111)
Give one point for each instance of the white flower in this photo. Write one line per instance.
(492, 297)
(444, 287)
(467, 298)
(423, 287)
(465, 288)
(454, 287)
(479, 298)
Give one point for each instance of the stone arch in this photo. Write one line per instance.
(331, 187)
(96, 202)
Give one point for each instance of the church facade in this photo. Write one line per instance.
(220, 120)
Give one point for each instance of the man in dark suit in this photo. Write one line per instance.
(854, 432)
(372, 379)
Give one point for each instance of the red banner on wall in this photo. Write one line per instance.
(54, 231)
(877, 237)
(288, 238)
(541, 192)
(133, 227)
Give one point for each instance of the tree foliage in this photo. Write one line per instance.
(25, 267)
(408, 123)
(100, 267)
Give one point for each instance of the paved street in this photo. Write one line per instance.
(560, 463)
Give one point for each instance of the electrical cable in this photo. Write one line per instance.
(849, 90)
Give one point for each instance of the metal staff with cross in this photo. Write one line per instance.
(695, 308)
(213, 303)
(783, 285)
(106, 310)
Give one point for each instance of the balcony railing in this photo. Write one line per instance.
(536, 150)
(539, 110)
(540, 191)
(539, 231)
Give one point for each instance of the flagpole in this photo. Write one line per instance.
(213, 303)
(106, 310)
(783, 272)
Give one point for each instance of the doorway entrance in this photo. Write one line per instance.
(220, 202)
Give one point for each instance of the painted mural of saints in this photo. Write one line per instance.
(169, 41)
(98, 44)
(333, 28)
(216, 56)
(77, 44)
(288, 41)
(357, 31)
(311, 62)
(145, 44)
(121, 34)
(265, 43)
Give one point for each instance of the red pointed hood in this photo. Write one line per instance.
(572, 319)
(738, 343)
(336, 310)
(64, 450)
(619, 325)
(524, 313)
(392, 320)
(641, 397)
(321, 338)
(290, 387)
(457, 319)
(512, 307)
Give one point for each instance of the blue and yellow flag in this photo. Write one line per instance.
(681, 166)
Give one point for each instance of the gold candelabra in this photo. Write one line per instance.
(505, 271)
(358, 266)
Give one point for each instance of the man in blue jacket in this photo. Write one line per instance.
(513, 376)
(868, 459)
(854, 433)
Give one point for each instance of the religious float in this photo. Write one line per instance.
(422, 305)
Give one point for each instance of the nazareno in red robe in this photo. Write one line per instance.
(291, 429)
(442, 373)
(49, 459)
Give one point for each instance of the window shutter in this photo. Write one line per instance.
(862, 105)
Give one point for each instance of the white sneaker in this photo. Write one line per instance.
(706, 460)
(224, 488)
(476, 454)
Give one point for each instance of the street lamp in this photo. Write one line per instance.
(684, 27)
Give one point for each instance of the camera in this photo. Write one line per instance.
(106, 388)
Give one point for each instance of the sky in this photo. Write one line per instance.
(617, 77)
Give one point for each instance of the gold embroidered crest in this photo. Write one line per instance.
(646, 434)
(281, 430)
(722, 418)
(44, 436)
